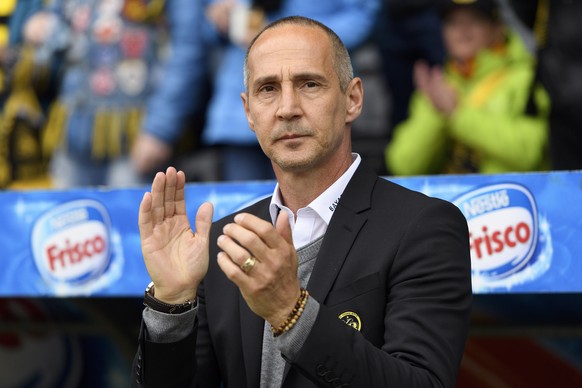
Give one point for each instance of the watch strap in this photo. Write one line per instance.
(155, 304)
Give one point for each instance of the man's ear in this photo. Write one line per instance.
(245, 100)
(354, 99)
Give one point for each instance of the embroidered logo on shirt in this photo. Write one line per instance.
(334, 205)
(351, 319)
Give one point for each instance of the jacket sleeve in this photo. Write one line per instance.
(164, 364)
(181, 88)
(426, 318)
(189, 362)
(506, 133)
(419, 144)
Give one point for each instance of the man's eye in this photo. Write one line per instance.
(266, 89)
(311, 84)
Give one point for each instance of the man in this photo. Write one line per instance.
(386, 270)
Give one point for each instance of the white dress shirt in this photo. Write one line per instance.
(312, 220)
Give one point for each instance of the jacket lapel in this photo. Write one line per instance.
(347, 221)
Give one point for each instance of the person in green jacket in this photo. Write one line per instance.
(482, 112)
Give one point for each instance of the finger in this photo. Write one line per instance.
(284, 227)
(144, 220)
(203, 220)
(254, 235)
(180, 200)
(233, 249)
(232, 270)
(158, 192)
(267, 234)
(170, 192)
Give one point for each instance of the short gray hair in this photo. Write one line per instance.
(341, 60)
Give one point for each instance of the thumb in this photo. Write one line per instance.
(283, 227)
(204, 220)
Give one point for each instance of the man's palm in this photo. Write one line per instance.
(176, 258)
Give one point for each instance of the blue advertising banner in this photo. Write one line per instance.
(524, 233)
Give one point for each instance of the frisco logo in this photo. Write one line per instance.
(71, 243)
(503, 228)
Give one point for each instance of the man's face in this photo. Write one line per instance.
(466, 32)
(294, 102)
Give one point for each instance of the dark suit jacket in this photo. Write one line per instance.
(396, 258)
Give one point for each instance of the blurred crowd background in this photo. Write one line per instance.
(107, 92)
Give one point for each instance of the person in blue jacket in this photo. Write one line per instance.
(227, 28)
(119, 75)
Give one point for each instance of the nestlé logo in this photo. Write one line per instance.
(71, 242)
(503, 228)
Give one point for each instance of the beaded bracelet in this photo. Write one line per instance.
(293, 316)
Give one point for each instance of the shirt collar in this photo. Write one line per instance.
(324, 205)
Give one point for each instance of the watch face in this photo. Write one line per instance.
(150, 289)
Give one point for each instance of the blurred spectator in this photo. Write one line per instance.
(22, 164)
(473, 116)
(557, 29)
(406, 31)
(113, 66)
(229, 28)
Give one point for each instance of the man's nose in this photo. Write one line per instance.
(289, 104)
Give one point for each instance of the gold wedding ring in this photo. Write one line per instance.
(248, 264)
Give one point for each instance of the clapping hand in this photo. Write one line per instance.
(431, 81)
(270, 285)
(176, 258)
